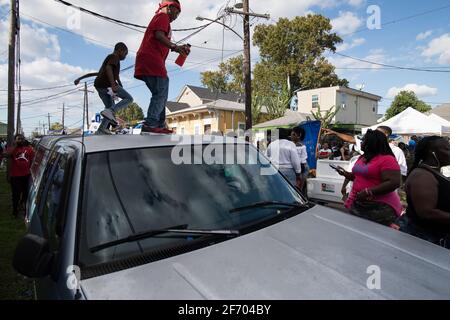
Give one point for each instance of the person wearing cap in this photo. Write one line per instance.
(150, 63)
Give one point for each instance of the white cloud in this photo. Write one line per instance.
(35, 41)
(424, 35)
(439, 48)
(350, 45)
(420, 90)
(347, 22)
(355, 3)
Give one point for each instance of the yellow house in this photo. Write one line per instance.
(199, 111)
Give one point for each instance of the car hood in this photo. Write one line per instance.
(319, 254)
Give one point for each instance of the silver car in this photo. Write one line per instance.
(152, 217)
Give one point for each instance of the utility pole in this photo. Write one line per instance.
(19, 122)
(12, 70)
(48, 121)
(247, 68)
(63, 118)
(86, 103)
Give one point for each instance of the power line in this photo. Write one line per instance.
(69, 31)
(124, 24)
(121, 22)
(392, 66)
(41, 89)
(400, 19)
(98, 41)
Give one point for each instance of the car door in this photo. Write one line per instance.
(52, 213)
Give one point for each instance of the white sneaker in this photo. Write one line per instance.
(109, 114)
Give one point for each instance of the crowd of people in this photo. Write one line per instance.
(377, 170)
(376, 175)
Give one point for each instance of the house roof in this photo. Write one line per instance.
(223, 105)
(290, 118)
(442, 111)
(348, 91)
(176, 106)
(208, 94)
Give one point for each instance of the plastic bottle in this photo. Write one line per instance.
(181, 58)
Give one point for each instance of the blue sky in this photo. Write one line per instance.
(52, 57)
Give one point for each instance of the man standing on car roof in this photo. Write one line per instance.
(150, 63)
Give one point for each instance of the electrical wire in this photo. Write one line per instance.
(120, 22)
(400, 20)
(392, 66)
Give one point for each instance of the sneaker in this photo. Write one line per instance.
(103, 131)
(109, 114)
(146, 128)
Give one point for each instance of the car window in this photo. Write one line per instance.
(136, 190)
(54, 198)
(38, 165)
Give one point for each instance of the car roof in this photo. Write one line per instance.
(100, 143)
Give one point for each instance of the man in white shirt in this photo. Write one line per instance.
(283, 155)
(399, 155)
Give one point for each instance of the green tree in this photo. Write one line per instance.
(291, 56)
(229, 77)
(278, 104)
(293, 49)
(131, 114)
(56, 126)
(403, 101)
(327, 117)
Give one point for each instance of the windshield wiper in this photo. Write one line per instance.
(151, 233)
(266, 204)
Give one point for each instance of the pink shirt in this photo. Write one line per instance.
(369, 176)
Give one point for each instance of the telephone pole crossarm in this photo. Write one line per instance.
(249, 14)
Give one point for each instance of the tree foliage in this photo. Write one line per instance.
(327, 117)
(56, 126)
(295, 48)
(131, 114)
(291, 56)
(229, 77)
(403, 101)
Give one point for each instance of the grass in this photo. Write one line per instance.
(12, 285)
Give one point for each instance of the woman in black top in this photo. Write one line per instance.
(428, 193)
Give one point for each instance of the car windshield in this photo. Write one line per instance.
(133, 191)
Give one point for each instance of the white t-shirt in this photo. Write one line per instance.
(283, 154)
(401, 159)
(302, 153)
(398, 153)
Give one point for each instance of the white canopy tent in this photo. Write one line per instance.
(439, 119)
(413, 122)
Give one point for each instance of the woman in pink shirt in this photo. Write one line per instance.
(376, 177)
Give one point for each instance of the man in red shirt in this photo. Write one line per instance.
(21, 155)
(150, 63)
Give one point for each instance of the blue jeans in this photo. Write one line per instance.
(108, 101)
(289, 174)
(156, 114)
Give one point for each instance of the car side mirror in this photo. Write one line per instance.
(32, 257)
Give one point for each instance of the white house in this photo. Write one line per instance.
(357, 107)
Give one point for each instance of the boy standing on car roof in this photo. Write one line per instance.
(109, 86)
